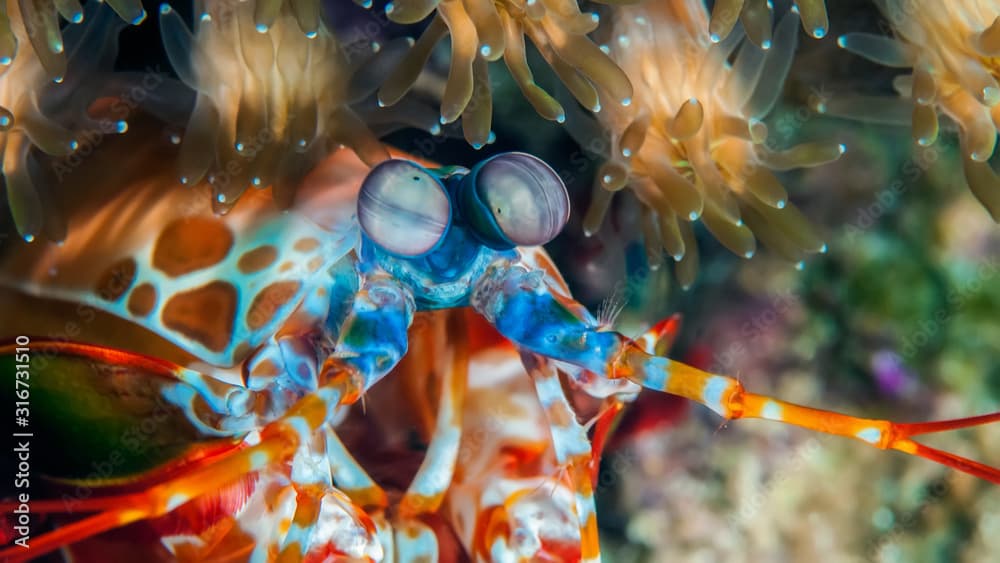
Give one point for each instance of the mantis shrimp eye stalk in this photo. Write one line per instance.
(483, 31)
(692, 147)
(952, 49)
(755, 15)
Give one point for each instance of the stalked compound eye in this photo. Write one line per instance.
(403, 208)
(514, 199)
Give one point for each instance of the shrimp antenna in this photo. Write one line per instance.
(726, 396)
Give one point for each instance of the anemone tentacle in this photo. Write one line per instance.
(693, 145)
(755, 15)
(271, 101)
(953, 49)
(483, 31)
(50, 116)
(35, 23)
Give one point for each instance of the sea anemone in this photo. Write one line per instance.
(755, 15)
(692, 144)
(307, 13)
(272, 100)
(486, 30)
(952, 48)
(40, 22)
(36, 112)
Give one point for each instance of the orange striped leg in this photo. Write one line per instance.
(307, 539)
(727, 397)
(525, 308)
(350, 477)
(660, 337)
(310, 486)
(415, 540)
(359, 487)
(429, 485)
(304, 520)
(279, 441)
(572, 449)
(604, 424)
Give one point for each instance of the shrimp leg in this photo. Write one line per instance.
(295, 544)
(569, 438)
(572, 448)
(373, 337)
(415, 540)
(351, 478)
(279, 441)
(370, 342)
(426, 492)
(522, 305)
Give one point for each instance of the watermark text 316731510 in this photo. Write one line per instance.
(21, 440)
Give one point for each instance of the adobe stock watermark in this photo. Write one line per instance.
(906, 522)
(114, 123)
(910, 172)
(926, 329)
(751, 330)
(751, 505)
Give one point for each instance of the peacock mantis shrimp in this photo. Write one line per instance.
(271, 325)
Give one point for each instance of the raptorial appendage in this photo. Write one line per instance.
(44, 103)
(693, 146)
(756, 20)
(953, 50)
(483, 31)
(511, 295)
(276, 92)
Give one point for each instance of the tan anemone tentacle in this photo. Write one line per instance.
(952, 49)
(43, 105)
(42, 38)
(691, 146)
(488, 30)
(755, 15)
(272, 100)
